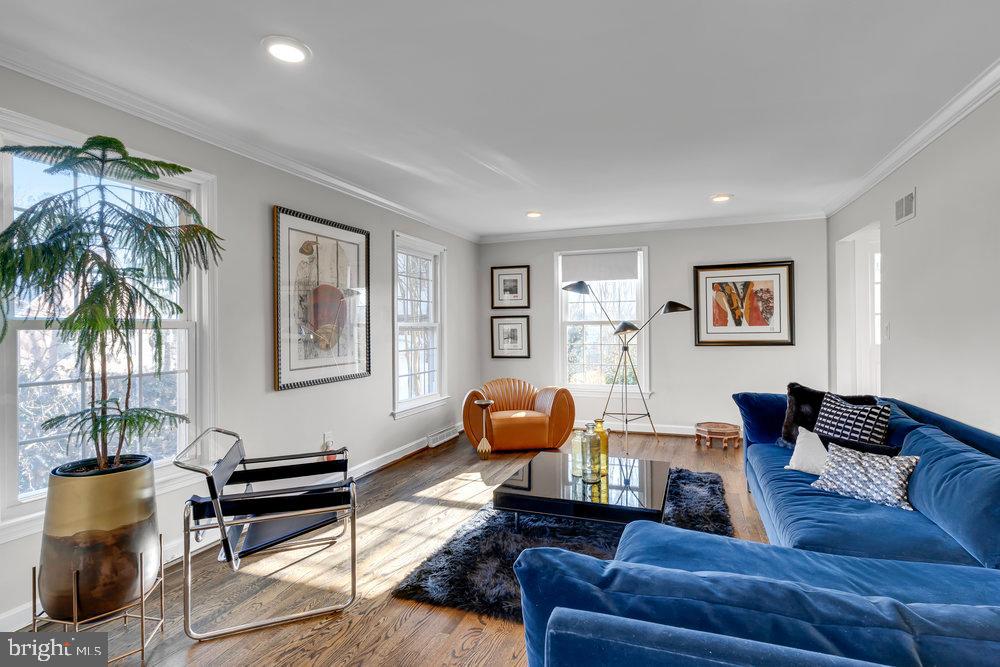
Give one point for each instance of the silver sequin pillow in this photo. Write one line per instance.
(872, 477)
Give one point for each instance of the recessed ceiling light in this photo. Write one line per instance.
(534, 214)
(721, 197)
(286, 49)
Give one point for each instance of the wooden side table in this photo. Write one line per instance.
(705, 431)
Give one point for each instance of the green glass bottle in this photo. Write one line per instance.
(603, 435)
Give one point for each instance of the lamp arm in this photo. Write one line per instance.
(644, 325)
(608, 317)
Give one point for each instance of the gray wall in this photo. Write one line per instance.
(356, 412)
(939, 275)
(689, 384)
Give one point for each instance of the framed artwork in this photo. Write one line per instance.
(510, 286)
(744, 304)
(321, 311)
(510, 337)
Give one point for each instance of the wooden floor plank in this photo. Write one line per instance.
(406, 511)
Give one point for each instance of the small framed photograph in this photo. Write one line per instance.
(520, 479)
(510, 337)
(750, 303)
(510, 286)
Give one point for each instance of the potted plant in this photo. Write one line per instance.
(108, 261)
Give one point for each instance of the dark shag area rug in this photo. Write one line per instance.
(474, 570)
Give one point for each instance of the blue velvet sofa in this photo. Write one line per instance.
(797, 515)
(924, 590)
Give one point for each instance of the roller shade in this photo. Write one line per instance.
(620, 265)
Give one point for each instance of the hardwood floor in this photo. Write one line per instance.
(405, 512)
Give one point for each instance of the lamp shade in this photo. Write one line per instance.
(626, 327)
(580, 287)
(674, 307)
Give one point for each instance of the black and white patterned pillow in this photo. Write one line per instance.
(872, 477)
(862, 427)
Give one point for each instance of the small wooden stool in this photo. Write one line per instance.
(705, 431)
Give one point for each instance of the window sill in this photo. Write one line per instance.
(602, 392)
(409, 409)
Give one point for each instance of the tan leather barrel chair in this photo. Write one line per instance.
(521, 417)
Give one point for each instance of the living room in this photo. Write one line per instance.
(551, 333)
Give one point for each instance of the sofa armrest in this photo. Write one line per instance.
(575, 637)
(557, 403)
(763, 416)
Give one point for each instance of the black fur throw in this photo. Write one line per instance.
(803, 408)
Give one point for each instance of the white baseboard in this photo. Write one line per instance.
(15, 618)
(641, 427)
(18, 617)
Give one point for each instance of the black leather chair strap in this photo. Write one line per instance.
(287, 471)
(262, 505)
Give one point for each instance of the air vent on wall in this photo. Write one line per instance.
(906, 207)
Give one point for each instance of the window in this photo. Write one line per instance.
(418, 279)
(589, 352)
(40, 370)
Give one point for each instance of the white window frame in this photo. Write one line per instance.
(642, 309)
(21, 517)
(438, 255)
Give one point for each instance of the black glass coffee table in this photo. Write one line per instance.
(634, 489)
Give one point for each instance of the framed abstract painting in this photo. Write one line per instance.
(511, 286)
(510, 337)
(745, 304)
(321, 312)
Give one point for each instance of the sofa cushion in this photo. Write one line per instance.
(984, 441)
(861, 427)
(804, 406)
(958, 488)
(574, 638)
(651, 543)
(900, 424)
(809, 454)
(809, 518)
(878, 629)
(527, 428)
(872, 477)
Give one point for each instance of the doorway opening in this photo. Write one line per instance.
(859, 312)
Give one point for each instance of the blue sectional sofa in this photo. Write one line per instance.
(844, 582)
(797, 515)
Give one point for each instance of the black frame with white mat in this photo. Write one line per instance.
(510, 286)
(737, 330)
(499, 342)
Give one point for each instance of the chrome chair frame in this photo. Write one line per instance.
(234, 528)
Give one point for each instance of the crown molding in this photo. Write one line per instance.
(693, 223)
(970, 98)
(75, 81)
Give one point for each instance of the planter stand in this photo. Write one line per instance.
(122, 613)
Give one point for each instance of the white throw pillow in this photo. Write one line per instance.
(809, 454)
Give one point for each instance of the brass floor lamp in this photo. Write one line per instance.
(626, 332)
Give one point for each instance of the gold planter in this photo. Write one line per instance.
(97, 523)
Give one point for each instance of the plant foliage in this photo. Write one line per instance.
(107, 254)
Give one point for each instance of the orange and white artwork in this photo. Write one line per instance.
(748, 304)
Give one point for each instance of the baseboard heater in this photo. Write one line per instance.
(444, 435)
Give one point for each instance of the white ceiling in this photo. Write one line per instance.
(469, 113)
